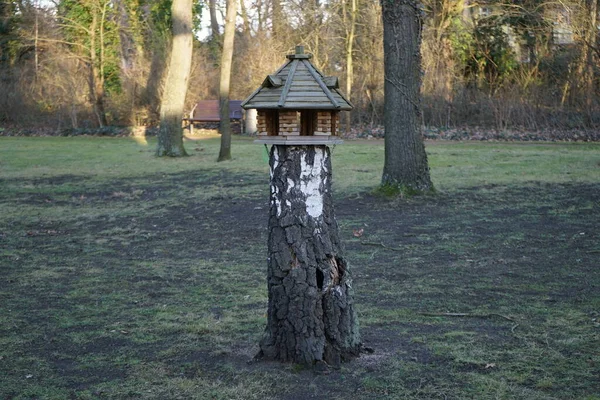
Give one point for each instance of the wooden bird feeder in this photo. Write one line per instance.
(298, 105)
(310, 317)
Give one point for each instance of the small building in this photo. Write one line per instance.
(298, 104)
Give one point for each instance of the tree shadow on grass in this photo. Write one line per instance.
(94, 305)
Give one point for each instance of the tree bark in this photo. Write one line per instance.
(580, 88)
(128, 54)
(150, 98)
(311, 317)
(226, 60)
(277, 19)
(588, 60)
(405, 167)
(214, 25)
(170, 135)
(349, 56)
(246, 23)
(96, 64)
(127, 42)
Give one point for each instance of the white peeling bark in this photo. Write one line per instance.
(312, 178)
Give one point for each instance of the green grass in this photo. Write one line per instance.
(125, 276)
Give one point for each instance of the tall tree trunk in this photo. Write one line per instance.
(311, 317)
(150, 97)
(128, 54)
(349, 56)
(128, 46)
(99, 97)
(226, 60)
(405, 165)
(591, 35)
(214, 25)
(579, 89)
(35, 43)
(246, 23)
(170, 135)
(96, 76)
(277, 19)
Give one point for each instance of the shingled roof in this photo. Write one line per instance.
(298, 85)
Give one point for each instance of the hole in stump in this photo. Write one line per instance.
(341, 267)
(320, 278)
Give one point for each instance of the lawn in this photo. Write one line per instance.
(125, 276)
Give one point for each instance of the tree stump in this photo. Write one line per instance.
(311, 317)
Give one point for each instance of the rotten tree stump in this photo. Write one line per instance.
(311, 317)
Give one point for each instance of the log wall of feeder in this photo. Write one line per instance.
(289, 123)
(261, 123)
(323, 123)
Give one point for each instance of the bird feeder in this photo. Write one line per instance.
(310, 318)
(298, 105)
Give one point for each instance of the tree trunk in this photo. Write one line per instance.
(589, 88)
(311, 317)
(35, 43)
(128, 54)
(277, 19)
(150, 98)
(579, 89)
(349, 57)
(99, 98)
(258, 5)
(214, 25)
(170, 135)
(226, 59)
(127, 42)
(96, 77)
(245, 23)
(405, 165)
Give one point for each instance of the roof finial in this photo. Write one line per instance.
(299, 54)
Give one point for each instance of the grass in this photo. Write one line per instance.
(125, 276)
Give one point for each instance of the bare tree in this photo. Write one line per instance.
(405, 167)
(246, 22)
(529, 64)
(581, 89)
(87, 30)
(214, 25)
(438, 59)
(170, 135)
(276, 18)
(97, 56)
(226, 59)
(351, 15)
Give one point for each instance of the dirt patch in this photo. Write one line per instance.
(95, 299)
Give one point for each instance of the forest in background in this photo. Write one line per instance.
(526, 64)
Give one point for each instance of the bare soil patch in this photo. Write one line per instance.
(96, 299)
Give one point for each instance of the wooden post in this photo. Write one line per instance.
(251, 122)
(311, 317)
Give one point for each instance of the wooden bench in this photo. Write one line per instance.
(208, 111)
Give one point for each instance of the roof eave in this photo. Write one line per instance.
(274, 106)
